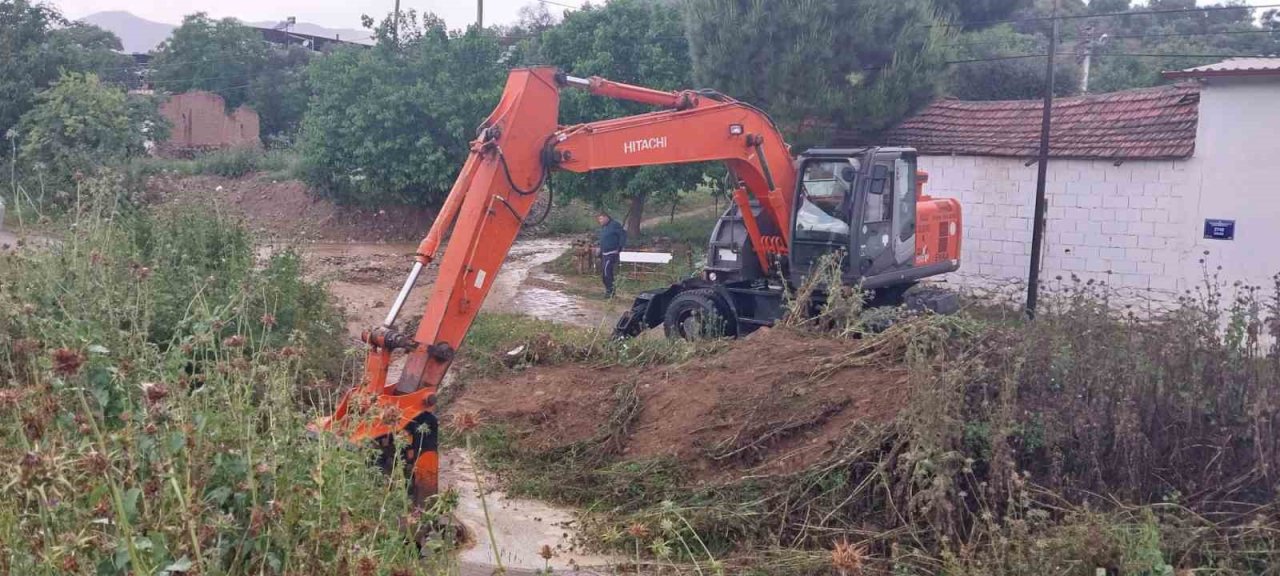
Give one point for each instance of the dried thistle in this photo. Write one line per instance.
(67, 362)
(848, 559)
(466, 421)
(638, 531)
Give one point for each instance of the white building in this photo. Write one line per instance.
(1143, 185)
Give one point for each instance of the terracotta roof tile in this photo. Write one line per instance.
(1150, 123)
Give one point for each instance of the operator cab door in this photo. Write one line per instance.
(825, 208)
(885, 242)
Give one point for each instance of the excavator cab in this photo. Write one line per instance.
(865, 205)
(860, 204)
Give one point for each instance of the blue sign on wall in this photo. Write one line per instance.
(1220, 229)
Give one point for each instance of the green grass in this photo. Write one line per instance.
(233, 163)
(155, 389)
(693, 231)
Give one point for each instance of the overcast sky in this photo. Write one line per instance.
(331, 13)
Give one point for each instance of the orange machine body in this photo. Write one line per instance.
(938, 225)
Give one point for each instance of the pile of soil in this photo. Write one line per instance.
(765, 406)
(285, 209)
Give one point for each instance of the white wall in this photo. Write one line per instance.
(1238, 162)
(1118, 224)
(1138, 225)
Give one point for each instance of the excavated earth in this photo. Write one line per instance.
(284, 209)
(773, 403)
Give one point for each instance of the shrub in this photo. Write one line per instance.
(79, 125)
(391, 124)
(150, 415)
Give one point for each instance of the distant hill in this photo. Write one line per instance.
(138, 34)
(347, 34)
(135, 33)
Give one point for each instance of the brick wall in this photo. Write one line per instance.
(200, 120)
(1125, 225)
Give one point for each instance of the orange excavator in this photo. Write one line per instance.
(866, 206)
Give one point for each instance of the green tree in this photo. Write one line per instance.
(848, 68)
(220, 56)
(630, 41)
(36, 44)
(979, 13)
(391, 124)
(989, 66)
(80, 124)
(232, 60)
(280, 91)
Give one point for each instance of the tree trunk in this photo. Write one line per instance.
(635, 215)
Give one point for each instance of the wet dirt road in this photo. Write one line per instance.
(364, 278)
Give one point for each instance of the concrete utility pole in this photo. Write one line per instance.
(480, 14)
(395, 24)
(1042, 173)
(1086, 65)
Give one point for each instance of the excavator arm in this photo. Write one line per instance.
(517, 147)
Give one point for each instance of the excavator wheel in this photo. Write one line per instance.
(699, 314)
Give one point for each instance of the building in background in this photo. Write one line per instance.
(1147, 188)
(199, 121)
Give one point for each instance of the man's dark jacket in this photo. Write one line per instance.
(612, 237)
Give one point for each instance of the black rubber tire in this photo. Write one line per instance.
(692, 315)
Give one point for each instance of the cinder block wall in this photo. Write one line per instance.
(1126, 224)
(200, 120)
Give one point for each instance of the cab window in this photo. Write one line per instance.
(826, 197)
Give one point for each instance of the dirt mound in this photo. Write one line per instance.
(773, 403)
(284, 210)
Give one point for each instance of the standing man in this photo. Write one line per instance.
(612, 240)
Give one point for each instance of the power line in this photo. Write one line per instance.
(1276, 33)
(559, 4)
(1106, 15)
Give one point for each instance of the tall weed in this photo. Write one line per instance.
(153, 414)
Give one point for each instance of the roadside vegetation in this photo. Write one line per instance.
(155, 387)
(282, 164)
(1092, 438)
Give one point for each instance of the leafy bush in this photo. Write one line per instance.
(151, 419)
(392, 124)
(79, 125)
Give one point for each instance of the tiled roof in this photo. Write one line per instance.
(1232, 67)
(1149, 123)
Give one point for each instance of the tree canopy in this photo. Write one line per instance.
(847, 68)
(392, 123)
(1128, 51)
(37, 44)
(628, 41)
(232, 60)
(80, 124)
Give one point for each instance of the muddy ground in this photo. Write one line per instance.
(284, 210)
(773, 403)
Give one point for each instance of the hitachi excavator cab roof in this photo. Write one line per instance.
(855, 151)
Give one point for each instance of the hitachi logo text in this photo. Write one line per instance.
(646, 144)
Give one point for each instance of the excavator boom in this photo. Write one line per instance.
(518, 145)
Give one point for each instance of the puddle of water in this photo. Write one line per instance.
(520, 527)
